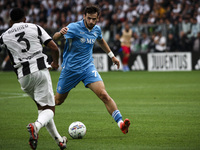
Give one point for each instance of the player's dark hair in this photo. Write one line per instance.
(17, 14)
(91, 9)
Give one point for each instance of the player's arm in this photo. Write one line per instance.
(103, 44)
(60, 34)
(54, 53)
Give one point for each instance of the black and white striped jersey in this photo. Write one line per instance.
(24, 44)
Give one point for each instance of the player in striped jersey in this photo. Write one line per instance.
(23, 42)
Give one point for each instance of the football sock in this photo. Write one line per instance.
(51, 128)
(117, 116)
(43, 118)
(119, 123)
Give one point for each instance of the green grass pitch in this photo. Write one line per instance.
(164, 109)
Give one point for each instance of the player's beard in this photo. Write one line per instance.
(90, 26)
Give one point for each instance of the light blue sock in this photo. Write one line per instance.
(117, 115)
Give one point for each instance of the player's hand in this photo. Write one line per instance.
(116, 62)
(55, 66)
(64, 30)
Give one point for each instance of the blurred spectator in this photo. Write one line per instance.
(160, 42)
(151, 19)
(132, 15)
(4, 63)
(159, 11)
(135, 43)
(152, 43)
(143, 9)
(116, 25)
(195, 28)
(176, 7)
(125, 44)
(186, 25)
(3, 26)
(116, 45)
(196, 46)
(171, 43)
(120, 15)
(106, 31)
(70, 17)
(198, 16)
(60, 4)
(183, 42)
(33, 10)
(145, 41)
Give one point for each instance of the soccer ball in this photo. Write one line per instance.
(77, 130)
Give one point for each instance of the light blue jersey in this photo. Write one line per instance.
(77, 57)
(78, 49)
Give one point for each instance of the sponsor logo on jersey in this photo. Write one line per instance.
(82, 40)
(90, 41)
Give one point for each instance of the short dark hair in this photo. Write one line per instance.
(91, 9)
(17, 14)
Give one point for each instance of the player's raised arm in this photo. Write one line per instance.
(103, 44)
(60, 34)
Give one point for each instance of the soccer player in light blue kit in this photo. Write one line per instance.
(78, 62)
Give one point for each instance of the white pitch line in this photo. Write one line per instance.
(10, 93)
(17, 96)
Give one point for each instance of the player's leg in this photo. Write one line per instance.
(51, 128)
(38, 86)
(66, 82)
(99, 89)
(93, 80)
(50, 125)
(45, 119)
(126, 55)
(60, 98)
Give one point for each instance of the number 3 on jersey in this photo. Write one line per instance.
(21, 38)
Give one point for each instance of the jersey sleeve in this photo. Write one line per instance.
(71, 30)
(44, 36)
(99, 36)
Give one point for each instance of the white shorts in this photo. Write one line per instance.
(38, 86)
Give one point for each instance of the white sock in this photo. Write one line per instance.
(51, 128)
(119, 123)
(43, 118)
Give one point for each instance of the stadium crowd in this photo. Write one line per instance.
(157, 25)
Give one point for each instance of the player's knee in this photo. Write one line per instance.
(59, 101)
(104, 96)
(60, 98)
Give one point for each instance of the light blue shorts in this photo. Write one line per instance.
(69, 79)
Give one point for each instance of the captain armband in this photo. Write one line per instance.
(111, 55)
